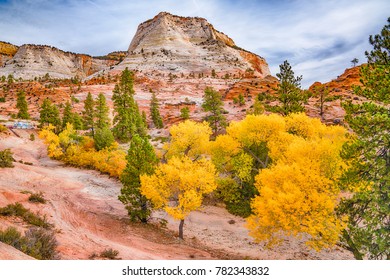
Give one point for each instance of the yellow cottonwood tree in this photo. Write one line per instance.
(298, 193)
(52, 141)
(188, 138)
(178, 186)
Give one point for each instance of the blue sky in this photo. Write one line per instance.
(318, 38)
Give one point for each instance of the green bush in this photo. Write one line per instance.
(237, 198)
(32, 137)
(37, 198)
(29, 217)
(40, 244)
(37, 242)
(103, 138)
(11, 237)
(6, 159)
(185, 113)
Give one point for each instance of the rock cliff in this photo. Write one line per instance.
(183, 45)
(30, 61)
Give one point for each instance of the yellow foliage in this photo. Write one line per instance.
(52, 141)
(188, 138)
(297, 193)
(223, 149)
(82, 152)
(65, 136)
(256, 129)
(179, 185)
(295, 200)
(242, 165)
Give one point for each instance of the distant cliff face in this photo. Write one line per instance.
(32, 61)
(188, 45)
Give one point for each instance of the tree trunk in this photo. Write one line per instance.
(181, 229)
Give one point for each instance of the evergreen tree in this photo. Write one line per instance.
(88, 114)
(77, 121)
(127, 120)
(154, 112)
(354, 61)
(45, 112)
(21, 104)
(49, 114)
(144, 119)
(141, 159)
(67, 116)
(368, 210)
(213, 103)
(103, 138)
(10, 79)
(185, 113)
(101, 112)
(289, 93)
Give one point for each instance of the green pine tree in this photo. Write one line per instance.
(144, 119)
(127, 120)
(185, 113)
(21, 105)
(77, 121)
(141, 159)
(49, 114)
(154, 112)
(289, 94)
(88, 114)
(45, 111)
(103, 138)
(212, 102)
(101, 112)
(67, 116)
(368, 210)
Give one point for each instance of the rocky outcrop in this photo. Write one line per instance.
(183, 45)
(344, 83)
(32, 61)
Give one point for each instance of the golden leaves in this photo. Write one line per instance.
(297, 193)
(179, 185)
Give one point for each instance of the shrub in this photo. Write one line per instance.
(109, 254)
(185, 113)
(37, 198)
(32, 137)
(103, 138)
(37, 242)
(29, 217)
(6, 159)
(40, 244)
(11, 237)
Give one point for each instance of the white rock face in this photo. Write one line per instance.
(187, 45)
(32, 61)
